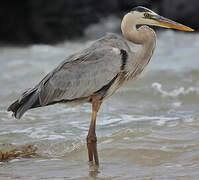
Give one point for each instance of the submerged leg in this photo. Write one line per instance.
(92, 138)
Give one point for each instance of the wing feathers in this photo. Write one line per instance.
(83, 77)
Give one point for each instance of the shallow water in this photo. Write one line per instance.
(149, 129)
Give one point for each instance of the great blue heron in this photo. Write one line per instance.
(92, 75)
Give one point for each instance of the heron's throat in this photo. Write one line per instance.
(144, 35)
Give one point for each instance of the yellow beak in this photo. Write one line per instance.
(164, 22)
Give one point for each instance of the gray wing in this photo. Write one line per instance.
(81, 77)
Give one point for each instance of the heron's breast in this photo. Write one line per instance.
(116, 85)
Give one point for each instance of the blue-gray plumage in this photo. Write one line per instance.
(97, 72)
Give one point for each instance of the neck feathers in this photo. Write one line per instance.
(143, 35)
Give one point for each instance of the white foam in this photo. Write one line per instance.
(128, 118)
(27, 130)
(38, 133)
(109, 121)
(107, 141)
(176, 104)
(161, 122)
(54, 137)
(43, 133)
(125, 118)
(176, 92)
(10, 114)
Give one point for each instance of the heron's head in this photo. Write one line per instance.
(145, 16)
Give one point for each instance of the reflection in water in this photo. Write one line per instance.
(147, 130)
(93, 170)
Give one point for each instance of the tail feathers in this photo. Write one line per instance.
(19, 107)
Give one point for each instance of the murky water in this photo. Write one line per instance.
(149, 129)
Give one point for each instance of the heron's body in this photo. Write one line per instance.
(97, 72)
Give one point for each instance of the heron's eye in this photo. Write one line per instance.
(147, 15)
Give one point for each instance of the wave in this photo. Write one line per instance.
(176, 92)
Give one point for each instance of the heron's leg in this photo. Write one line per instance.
(92, 138)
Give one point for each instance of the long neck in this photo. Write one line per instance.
(143, 36)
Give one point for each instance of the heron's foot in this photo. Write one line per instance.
(92, 150)
(93, 169)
